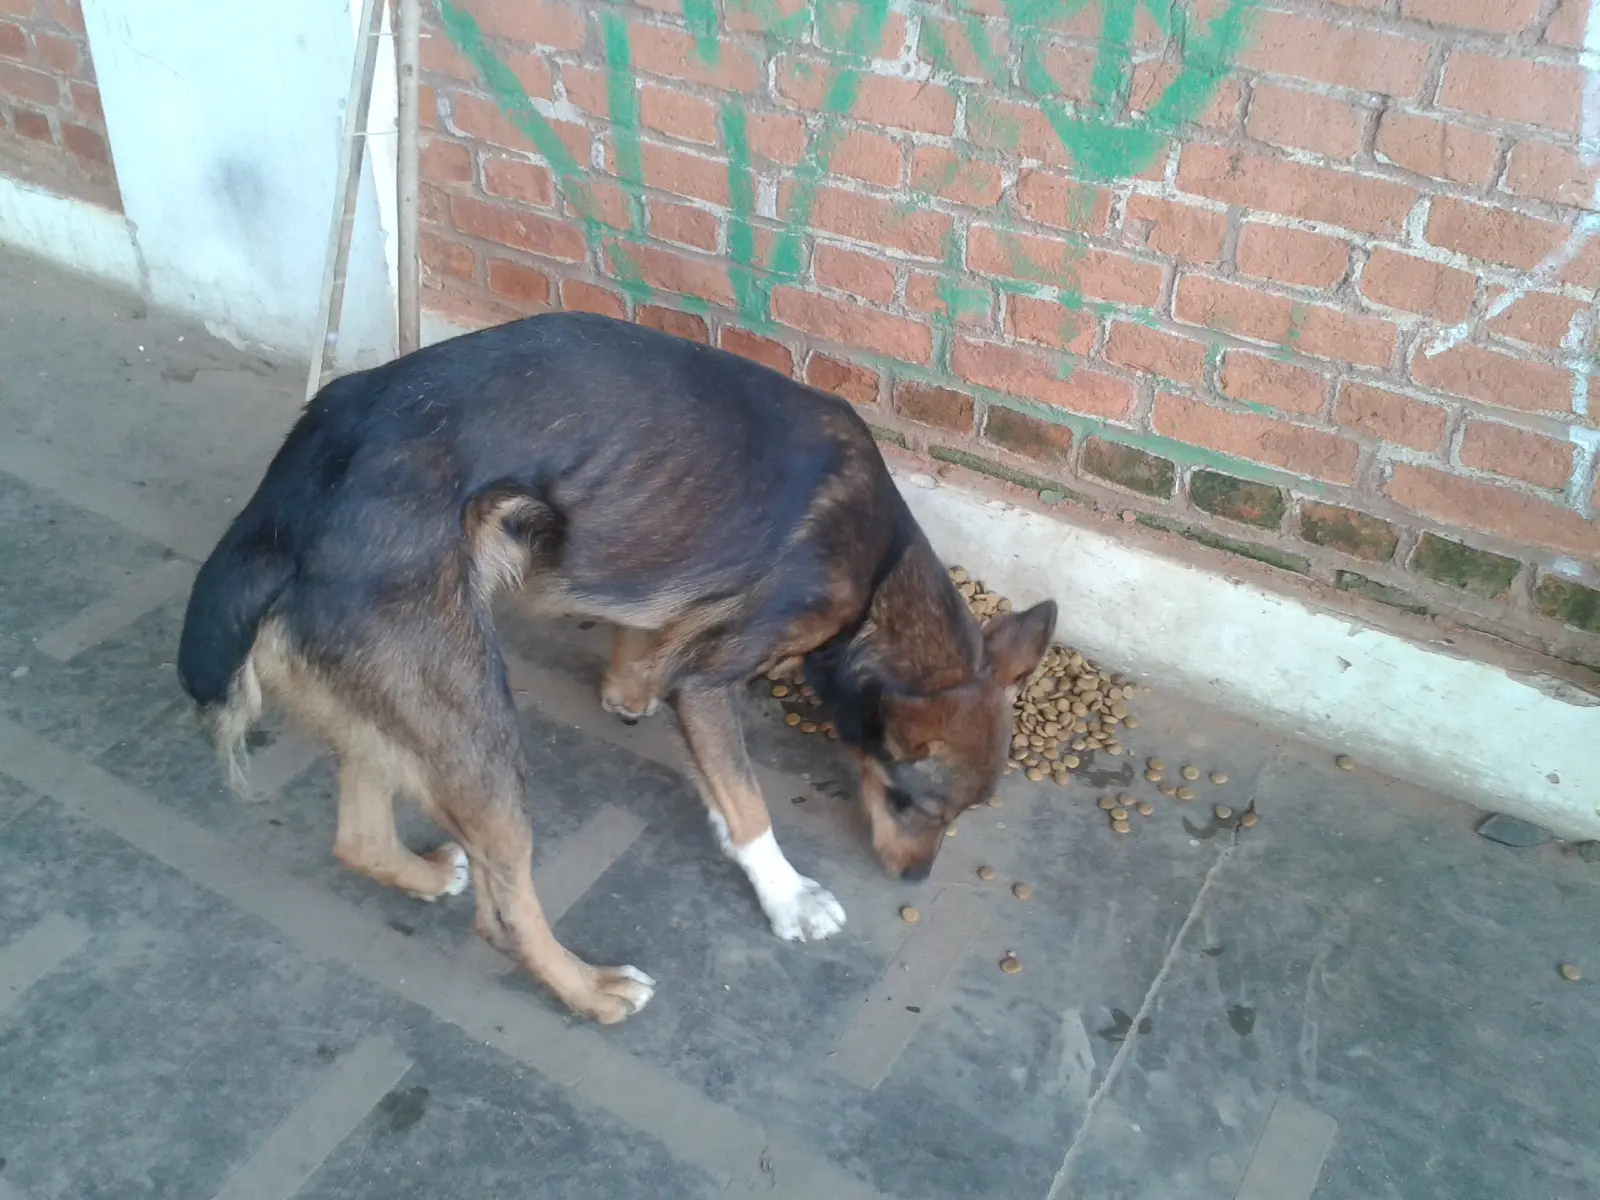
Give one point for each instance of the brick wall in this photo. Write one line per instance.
(52, 129)
(1304, 281)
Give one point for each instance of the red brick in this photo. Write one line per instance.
(1551, 173)
(604, 202)
(1070, 70)
(679, 223)
(757, 16)
(1496, 379)
(857, 384)
(517, 229)
(1416, 285)
(1037, 377)
(1540, 319)
(1051, 323)
(513, 179)
(1517, 453)
(578, 296)
(1492, 234)
(441, 258)
(881, 222)
(1309, 328)
(1440, 149)
(1164, 355)
(438, 53)
(1345, 55)
(58, 53)
(660, 50)
(1494, 16)
(428, 108)
(1292, 255)
(482, 119)
(882, 99)
(587, 89)
(1064, 203)
(24, 83)
(1261, 379)
(445, 162)
(669, 271)
(928, 293)
(34, 126)
(85, 143)
(1008, 128)
(1305, 121)
(1152, 78)
(679, 324)
(853, 325)
(859, 274)
(532, 22)
(1084, 270)
(678, 114)
(836, 22)
(681, 173)
(935, 406)
(1377, 206)
(941, 172)
(433, 204)
(517, 282)
(868, 156)
(86, 103)
(948, 46)
(1184, 231)
(758, 349)
(68, 14)
(1493, 509)
(1390, 417)
(780, 137)
(1513, 89)
(13, 42)
(1566, 24)
(1259, 439)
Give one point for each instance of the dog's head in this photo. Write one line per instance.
(931, 757)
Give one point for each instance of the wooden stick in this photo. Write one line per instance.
(352, 151)
(407, 43)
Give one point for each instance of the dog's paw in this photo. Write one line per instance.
(630, 715)
(455, 858)
(619, 992)
(808, 915)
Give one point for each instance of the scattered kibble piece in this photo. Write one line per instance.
(1011, 964)
(1570, 973)
(996, 802)
(1120, 826)
(1131, 721)
(1152, 775)
(1021, 891)
(1190, 772)
(1155, 764)
(792, 719)
(910, 915)
(1119, 814)
(779, 691)
(1070, 761)
(1345, 763)
(1184, 793)
(986, 873)
(950, 831)
(808, 727)
(1107, 803)
(1248, 820)
(1035, 774)
(1146, 808)
(1168, 789)
(1114, 750)
(1223, 812)
(1218, 778)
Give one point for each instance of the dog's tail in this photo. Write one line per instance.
(232, 596)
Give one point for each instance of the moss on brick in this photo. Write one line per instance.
(1349, 581)
(1028, 436)
(1281, 559)
(1568, 602)
(999, 471)
(1239, 500)
(893, 436)
(1129, 468)
(1477, 572)
(936, 406)
(1349, 532)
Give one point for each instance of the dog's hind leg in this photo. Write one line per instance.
(630, 685)
(800, 909)
(366, 840)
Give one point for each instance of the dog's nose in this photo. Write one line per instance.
(917, 871)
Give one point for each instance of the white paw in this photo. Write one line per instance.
(808, 915)
(622, 991)
(460, 873)
(627, 714)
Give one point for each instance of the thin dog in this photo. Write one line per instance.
(723, 517)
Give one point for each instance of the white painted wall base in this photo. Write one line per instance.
(1464, 728)
(71, 233)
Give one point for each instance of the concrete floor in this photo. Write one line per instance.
(1356, 998)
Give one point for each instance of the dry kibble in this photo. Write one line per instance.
(1107, 803)
(779, 691)
(1011, 964)
(1218, 778)
(1223, 812)
(1190, 772)
(1070, 761)
(950, 831)
(1113, 749)
(1119, 814)
(1146, 808)
(1021, 891)
(1153, 775)
(1184, 793)
(808, 726)
(1120, 826)
(1035, 774)
(996, 802)
(910, 915)
(1168, 789)
(1131, 721)
(1570, 973)
(792, 719)
(1155, 764)
(1345, 763)
(1248, 820)
(986, 873)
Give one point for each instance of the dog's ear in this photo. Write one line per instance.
(1014, 644)
(915, 726)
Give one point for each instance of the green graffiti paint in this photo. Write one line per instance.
(701, 18)
(750, 292)
(622, 98)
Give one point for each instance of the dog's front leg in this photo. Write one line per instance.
(800, 909)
